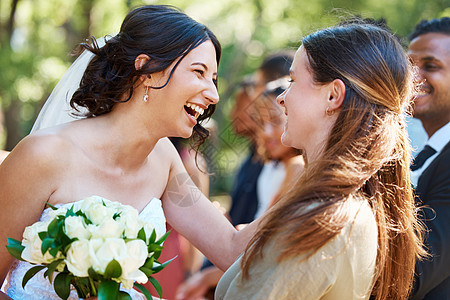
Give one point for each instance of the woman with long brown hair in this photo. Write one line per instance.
(348, 227)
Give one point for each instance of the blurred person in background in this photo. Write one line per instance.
(282, 164)
(429, 49)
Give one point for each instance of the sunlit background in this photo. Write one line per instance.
(37, 36)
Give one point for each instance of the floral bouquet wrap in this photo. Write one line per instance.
(96, 246)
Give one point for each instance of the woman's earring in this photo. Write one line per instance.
(329, 112)
(146, 94)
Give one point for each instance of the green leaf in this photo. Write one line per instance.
(42, 235)
(141, 235)
(62, 285)
(147, 271)
(15, 248)
(152, 237)
(157, 254)
(163, 238)
(85, 218)
(149, 262)
(54, 251)
(163, 265)
(94, 275)
(46, 244)
(156, 285)
(113, 270)
(53, 227)
(51, 268)
(83, 287)
(117, 215)
(51, 206)
(70, 213)
(108, 290)
(143, 290)
(66, 240)
(124, 296)
(30, 273)
(154, 248)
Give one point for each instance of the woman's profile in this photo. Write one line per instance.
(348, 228)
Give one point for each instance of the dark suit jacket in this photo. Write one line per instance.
(244, 198)
(433, 192)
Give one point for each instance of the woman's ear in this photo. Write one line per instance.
(337, 94)
(140, 61)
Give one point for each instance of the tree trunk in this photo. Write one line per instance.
(11, 125)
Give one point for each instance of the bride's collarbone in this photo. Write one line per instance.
(125, 191)
(87, 178)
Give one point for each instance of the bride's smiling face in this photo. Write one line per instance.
(189, 92)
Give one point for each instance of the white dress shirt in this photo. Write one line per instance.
(269, 183)
(437, 141)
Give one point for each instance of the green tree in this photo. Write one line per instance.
(37, 36)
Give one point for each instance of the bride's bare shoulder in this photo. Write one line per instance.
(42, 146)
(166, 152)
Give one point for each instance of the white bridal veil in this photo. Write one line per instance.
(57, 109)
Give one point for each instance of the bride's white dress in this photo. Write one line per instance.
(39, 288)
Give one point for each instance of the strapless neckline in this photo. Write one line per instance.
(149, 204)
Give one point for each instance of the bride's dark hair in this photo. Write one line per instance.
(162, 32)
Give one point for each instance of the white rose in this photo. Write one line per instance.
(131, 223)
(118, 206)
(78, 258)
(127, 284)
(59, 212)
(136, 256)
(75, 227)
(102, 252)
(95, 209)
(107, 229)
(32, 243)
(135, 276)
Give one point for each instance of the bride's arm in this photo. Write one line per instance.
(25, 185)
(191, 213)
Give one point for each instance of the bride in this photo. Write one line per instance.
(155, 79)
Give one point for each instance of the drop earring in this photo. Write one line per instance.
(329, 112)
(146, 94)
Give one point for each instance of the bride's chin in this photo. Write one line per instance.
(186, 133)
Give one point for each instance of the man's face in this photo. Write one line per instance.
(431, 54)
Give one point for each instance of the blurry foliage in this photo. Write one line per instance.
(36, 38)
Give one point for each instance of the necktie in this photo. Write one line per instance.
(423, 155)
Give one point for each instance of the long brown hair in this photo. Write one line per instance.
(367, 157)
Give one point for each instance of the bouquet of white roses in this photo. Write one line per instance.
(96, 245)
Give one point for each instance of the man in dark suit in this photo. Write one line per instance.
(429, 49)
